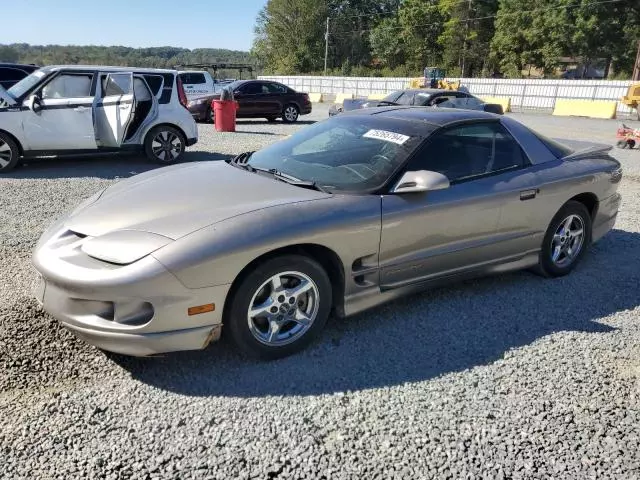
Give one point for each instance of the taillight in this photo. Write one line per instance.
(182, 97)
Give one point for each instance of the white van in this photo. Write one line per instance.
(199, 83)
(62, 110)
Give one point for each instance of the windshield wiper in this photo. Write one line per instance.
(241, 160)
(291, 180)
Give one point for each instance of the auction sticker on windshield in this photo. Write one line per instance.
(387, 136)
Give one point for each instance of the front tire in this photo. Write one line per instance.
(164, 145)
(9, 153)
(566, 240)
(280, 307)
(290, 113)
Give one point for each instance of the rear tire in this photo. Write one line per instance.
(209, 116)
(279, 308)
(631, 143)
(164, 144)
(290, 113)
(9, 153)
(566, 240)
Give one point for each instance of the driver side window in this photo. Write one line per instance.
(470, 151)
(67, 86)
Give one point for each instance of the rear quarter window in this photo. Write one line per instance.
(559, 150)
(154, 82)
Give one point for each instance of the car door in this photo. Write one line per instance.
(114, 108)
(454, 230)
(443, 100)
(275, 97)
(63, 117)
(246, 96)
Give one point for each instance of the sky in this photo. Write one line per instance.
(133, 23)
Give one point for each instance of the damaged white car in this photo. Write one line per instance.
(61, 110)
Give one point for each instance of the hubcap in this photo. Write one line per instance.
(568, 240)
(291, 113)
(5, 154)
(283, 309)
(166, 146)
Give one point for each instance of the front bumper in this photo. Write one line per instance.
(137, 309)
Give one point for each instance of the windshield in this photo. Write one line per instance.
(392, 97)
(25, 84)
(348, 153)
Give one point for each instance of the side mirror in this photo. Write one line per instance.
(237, 93)
(33, 102)
(493, 108)
(421, 181)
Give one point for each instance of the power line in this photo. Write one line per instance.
(382, 14)
(521, 12)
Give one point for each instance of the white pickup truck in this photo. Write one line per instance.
(199, 83)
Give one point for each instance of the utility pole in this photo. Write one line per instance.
(464, 43)
(636, 67)
(326, 47)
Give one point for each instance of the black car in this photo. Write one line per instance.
(425, 97)
(258, 99)
(12, 73)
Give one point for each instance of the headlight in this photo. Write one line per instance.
(123, 247)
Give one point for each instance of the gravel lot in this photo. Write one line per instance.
(506, 377)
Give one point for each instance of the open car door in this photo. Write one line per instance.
(114, 108)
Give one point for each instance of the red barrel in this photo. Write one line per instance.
(224, 112)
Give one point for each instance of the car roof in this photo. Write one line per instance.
(19, 65)
(435, 116)
(424, 90)
(107, 68)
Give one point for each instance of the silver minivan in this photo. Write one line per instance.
(60, 110)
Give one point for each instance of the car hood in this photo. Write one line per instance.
(175, 201)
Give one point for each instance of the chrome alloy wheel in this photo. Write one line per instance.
(166, 146)
(568, 241)
(283, 308)
(5, 154)
(291, 113)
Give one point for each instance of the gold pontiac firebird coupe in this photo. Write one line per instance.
(342, 216)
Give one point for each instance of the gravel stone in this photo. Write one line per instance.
(509, 377)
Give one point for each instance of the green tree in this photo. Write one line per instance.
(422, 23)
(606, 32)
(290, 36)
(387, 45)
(8, 54)
(467, 34)
(530, 36)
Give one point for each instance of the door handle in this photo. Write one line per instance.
(124, 107)
(80, 109)
(529, 194)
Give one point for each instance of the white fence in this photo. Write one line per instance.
(524, 93)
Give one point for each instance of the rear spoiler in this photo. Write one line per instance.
(591, 151)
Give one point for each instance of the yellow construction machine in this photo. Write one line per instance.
(434, 78)
(632, 98)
